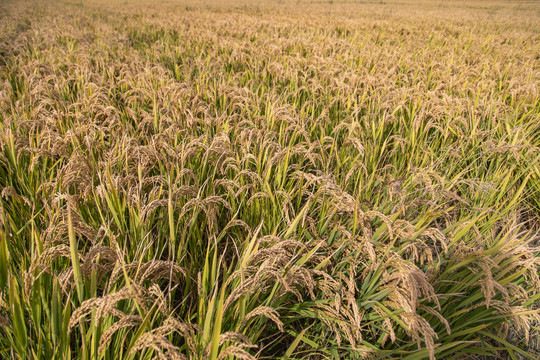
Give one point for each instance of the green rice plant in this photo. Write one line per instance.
(210, 181)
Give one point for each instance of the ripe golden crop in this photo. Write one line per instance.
(269, 180)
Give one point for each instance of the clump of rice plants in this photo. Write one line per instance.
(184, 180)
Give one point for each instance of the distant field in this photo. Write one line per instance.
(269, 180)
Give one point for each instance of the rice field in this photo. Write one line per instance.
(269, 179)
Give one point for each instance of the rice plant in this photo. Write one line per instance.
(269, 180)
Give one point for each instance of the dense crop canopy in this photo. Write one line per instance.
(269, 180)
